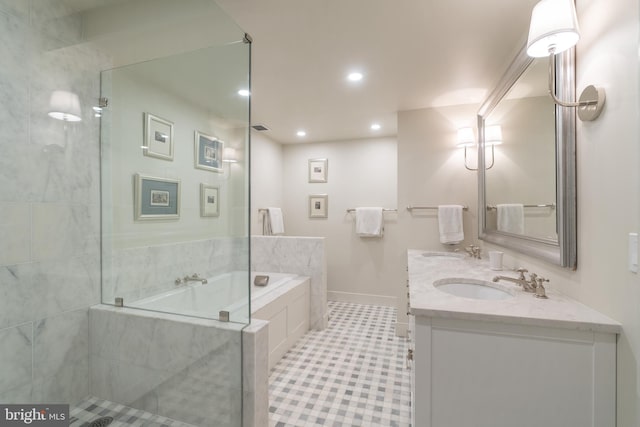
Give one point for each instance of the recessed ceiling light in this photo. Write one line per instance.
(355, 76)
(301, 133)
(244, 92)
(375, 126)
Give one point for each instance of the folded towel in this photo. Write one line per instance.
(276, 220)
(369, 222)
(450, 224)
(511, 218)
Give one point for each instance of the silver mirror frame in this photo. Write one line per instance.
(564, 251)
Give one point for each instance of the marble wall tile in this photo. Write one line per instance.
(122, 382)
(15, 233)
(17, 395)
(14, 121)
(17, 8)
(16, 303)
(187, 370)
(15, 357)
(120, 337)
(57, 19)
(63, 231)
(49, 253)
(304, 256)
(61, 357)
(64, 285)
(255, 374)
(68, 166)
(144, 271)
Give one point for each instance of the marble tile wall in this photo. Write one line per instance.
(49, 204)
(183, 368)
(305, 256)
(50, 218)
(144, 271)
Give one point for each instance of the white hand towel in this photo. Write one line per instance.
(369, 222)
(450, 224)
(277, 221)
(511, 218)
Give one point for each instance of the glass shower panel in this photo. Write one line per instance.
(167, 338)
(175, 184)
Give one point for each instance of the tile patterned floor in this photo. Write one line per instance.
(91, 408)
(351, 374)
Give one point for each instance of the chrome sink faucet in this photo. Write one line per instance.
(534, 284)
(193, 278)
(473, 251)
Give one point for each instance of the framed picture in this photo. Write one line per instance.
(318, 170)
(208, 152)
(156, 198)
(158, 137)
(318, 207)
(209, 200)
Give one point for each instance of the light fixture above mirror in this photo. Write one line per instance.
(553, 30)
(467, 139)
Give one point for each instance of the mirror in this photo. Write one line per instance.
(527, 192)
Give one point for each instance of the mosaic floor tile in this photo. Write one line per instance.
(351, 374)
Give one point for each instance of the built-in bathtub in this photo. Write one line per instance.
(145, 353)
(284, 302)
(226, 292)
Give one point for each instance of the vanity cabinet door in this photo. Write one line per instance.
(486, 374)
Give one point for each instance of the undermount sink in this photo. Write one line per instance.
(443, 255)
(472, 288)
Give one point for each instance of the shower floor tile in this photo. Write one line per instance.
(351, 374)
(93, 408)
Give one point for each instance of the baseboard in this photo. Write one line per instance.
(367, 299)
(401, 329)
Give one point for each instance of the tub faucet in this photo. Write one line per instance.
(533, 284)
(473, 251)
(193, 278)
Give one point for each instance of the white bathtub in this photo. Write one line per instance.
(226, 292)
(284, 303)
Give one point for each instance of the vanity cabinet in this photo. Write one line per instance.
(482, 374)
(515, 362)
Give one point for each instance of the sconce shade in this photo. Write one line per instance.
(466, 137)
(493, 135)
(553, 28)
(65, 105)
(229, 155)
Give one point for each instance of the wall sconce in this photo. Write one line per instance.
(554, 29)
(65, 105)
(229, 155)
(466, 138)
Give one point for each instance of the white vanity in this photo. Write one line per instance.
(500, 357)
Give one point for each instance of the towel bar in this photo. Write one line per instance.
(548, 205)
(383, 210)
(410, 208)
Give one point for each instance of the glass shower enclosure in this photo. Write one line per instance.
(174, 111)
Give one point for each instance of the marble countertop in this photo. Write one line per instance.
(524, 308)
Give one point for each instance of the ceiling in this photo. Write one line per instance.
(413, 54)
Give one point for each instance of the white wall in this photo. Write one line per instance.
(360, 173)
(431, 172)
(608, 157)
(266, 178)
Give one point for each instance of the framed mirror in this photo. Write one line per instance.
(527, 185)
